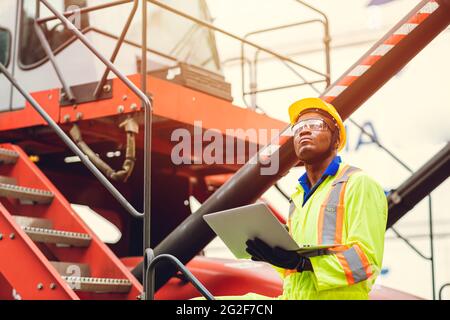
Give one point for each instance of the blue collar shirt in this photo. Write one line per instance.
(331, 170)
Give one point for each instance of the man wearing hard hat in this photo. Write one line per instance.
(334, 204)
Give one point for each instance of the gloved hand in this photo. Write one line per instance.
(291, 260)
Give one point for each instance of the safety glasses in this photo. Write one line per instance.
(310, 124)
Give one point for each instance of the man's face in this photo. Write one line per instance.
(312, 145)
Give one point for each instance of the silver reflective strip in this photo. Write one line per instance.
(291, 208)
(355, 264)
(346, 175)
(330, 210)
(329, 215)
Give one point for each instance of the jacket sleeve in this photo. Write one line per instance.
(361, 256)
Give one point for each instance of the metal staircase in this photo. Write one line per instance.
(47, 251)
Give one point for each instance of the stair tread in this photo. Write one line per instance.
(68, 268)
(8, 180)
(98, 285)
(8, 156)
(75, 239)
(24, 221)
(26, 193)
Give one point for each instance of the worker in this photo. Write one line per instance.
(333, 204)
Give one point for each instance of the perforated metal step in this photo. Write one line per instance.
(72, 269)
(8, 156)
(33, 222)
(59, 237)
(25, 194)
(98, 285)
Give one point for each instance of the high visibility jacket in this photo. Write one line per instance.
(349, 210)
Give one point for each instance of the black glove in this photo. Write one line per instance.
(277, 256)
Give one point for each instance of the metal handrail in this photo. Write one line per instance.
(327, 38)
(46, 46)
(51, 57)
(148, 283)
(326, 41)
(72, 146)
(151, 263)
(67, 140)
(255, 60)
(229, 34)
(125, 29)
(442, 289)
(84, 10)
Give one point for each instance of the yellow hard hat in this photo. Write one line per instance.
(316, 103)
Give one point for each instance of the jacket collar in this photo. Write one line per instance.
(331, 170)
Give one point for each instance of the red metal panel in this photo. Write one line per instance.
(28, 117)
(5, 288)
(174, 102)
(171, 101)
(25, 267)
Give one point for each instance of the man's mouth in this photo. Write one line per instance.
(305, 140)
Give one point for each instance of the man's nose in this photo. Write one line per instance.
(305, 131)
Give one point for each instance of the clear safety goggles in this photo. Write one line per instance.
(310, 124)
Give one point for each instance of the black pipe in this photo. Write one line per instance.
(419, 185)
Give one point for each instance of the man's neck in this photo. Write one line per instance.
(315, 171)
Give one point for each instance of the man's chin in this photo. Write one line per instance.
(306, 155)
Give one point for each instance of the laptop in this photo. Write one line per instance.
(236, 226)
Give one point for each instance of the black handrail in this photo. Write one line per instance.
(213, 27)
(151, 263)
(442, 289)
(254, 89)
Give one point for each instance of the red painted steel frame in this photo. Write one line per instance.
(102, 261)
(24, 265)
(171, 101)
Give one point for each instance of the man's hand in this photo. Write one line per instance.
(277, 256)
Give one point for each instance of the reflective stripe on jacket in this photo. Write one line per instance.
(348, 209)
